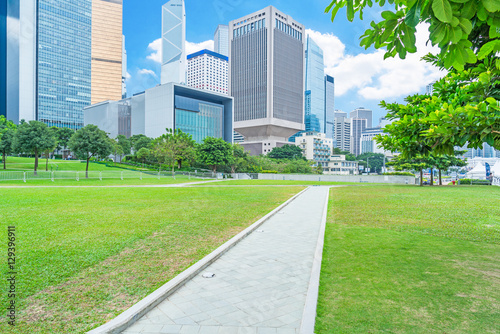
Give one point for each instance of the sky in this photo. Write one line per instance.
(362, 77)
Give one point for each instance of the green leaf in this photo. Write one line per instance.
(491, 5)
(334, 11)
(459, 1)
(327, 9)
(472, 56)
(469, 10)
(389, 30)
(438, 33)
(488, 48)
(494, 32)
(455, 21)
(465, 25)
(350, 11)
(442, 10)
(388, 15)
(413, 16)
(491, 100)
(456, 35)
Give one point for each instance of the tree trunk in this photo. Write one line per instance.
(179, 164)
(47, 161)
(214, 169)
(421, 177)
(87, 169)
(4, 164)
(432, 177)
(440, 179)
(173, 169)
(36, 161)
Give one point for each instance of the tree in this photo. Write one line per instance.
(125, 144)
(7, 132)
(117, 148)
(418, 163)
(375, 161)
(174, 146)
(465, 31)
(290, 152)
(239, 157)
(142, 154)
(89, 142)
(446, 161)
(348, 155)
(34, 137)
(142, 142)
(6, 144)
(63, 137)
(214, 152)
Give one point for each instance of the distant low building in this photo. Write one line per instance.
(316, 147)
(338, 165)
(170, 106)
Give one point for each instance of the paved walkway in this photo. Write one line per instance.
(260, 285)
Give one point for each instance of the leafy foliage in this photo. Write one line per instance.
(290, 152)
(34, 137)
(215, 152)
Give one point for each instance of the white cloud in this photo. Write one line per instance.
(128, 76)
(155, 48)
(147, 72)
(371, 75)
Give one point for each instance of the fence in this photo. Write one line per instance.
(496, 181)
(27, 176)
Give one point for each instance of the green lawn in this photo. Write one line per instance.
(84, 255)
(25, 164)
(411, 260)
(279, 183)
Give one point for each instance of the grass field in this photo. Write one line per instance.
(16, 163)
(278, 183)
(411, 260)
(85, 255)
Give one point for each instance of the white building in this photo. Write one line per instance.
(221, 40)
(315, 146)
(267, 78)
(358, 125)
(208, 70)
(362, 112)
(342, 131)
(173, 42)
(338, 165)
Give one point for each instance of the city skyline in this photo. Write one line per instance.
(362, 78)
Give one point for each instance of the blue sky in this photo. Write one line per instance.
(362, 78)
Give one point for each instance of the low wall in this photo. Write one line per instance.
(396, 179)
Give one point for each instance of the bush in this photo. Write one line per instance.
(269, 172)
(400, 173)
(475, 182)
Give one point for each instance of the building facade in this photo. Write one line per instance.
(3, 58)
(329, 107)
(221, 40)
(107, 50)
(358, 125)
(59, 57)
(315, 88)
(338, 165)
(173, 42)
(266, 78)
(171, 106)
(208, 70)
(124, 70)
(315, 147)
(342, 131)
(362, 112)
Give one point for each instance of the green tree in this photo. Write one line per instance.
(444, 162)
(174, 146)
(215, 152)
(34, 137)
(463, 30)
(88, 142)
(142, 142)
(117, 148)
(124, 143)
(375, 161)
(6, 144)
(143, 154)
(287, 151)
(418, 163)
(63, 137)
(239, 158)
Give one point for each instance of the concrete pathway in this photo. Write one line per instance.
(260, 285)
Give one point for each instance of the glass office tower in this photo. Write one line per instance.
(315, 84)
(64, 61)
(221, 40)
(3, 58)
(329, 107)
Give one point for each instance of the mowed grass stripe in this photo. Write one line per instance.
(87, 254)
(411, 260)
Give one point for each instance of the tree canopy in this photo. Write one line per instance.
(290, 152)
(34, 137)
(215, 152)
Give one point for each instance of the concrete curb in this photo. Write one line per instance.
(309, 314)
(137, 311)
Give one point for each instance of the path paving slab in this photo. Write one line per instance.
(260, 285)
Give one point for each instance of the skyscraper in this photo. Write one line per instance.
(329, 106)
(267, 78)
(52, 73)
(3, 58)
(361, 112)
(208, 70)
(107, 50)
(358, 126)
(173, 40)
(221, 40)
(124, 70)
(342, 131)
(315, 87)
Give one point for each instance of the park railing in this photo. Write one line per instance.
(27, 176)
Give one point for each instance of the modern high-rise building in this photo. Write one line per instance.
(107, 50)
(315, 88)
(124, 70)
(267, 78)
(358, 126)
(173, 42)
(52, 71)
(208, 70)
(221, 40)
(362, 112)
(342, 131)
(329, 106)
(3, 58)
